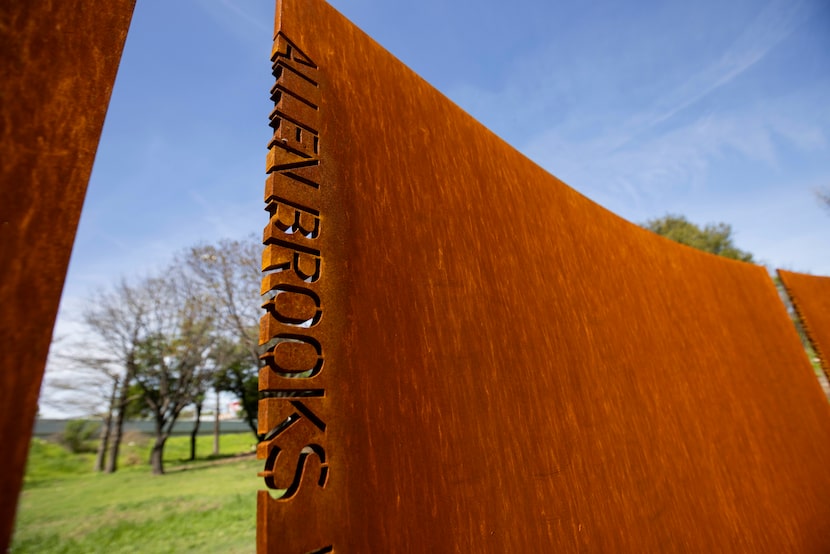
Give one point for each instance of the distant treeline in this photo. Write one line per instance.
(45, 428)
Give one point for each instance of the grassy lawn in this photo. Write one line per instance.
(205, 506)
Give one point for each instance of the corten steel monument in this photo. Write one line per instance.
(466, 355)
(56, 74)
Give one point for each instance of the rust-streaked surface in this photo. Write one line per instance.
(810, 295)
(497, 363)
(56, 75)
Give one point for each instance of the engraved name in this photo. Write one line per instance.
(292, 409)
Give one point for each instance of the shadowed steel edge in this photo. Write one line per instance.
(810, 296)
(466, 355)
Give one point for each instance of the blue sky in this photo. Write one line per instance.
(716, 110)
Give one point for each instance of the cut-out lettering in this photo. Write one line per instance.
(285, 280)
(299, 140)
(292, 408)
(290, 454)
(296, 355)
(309, 403)
(279, 159)
(288, 256)
(296, 83)
(294, 306)
(292, 189)
(291, 219)
(295, 110)
(284, 48)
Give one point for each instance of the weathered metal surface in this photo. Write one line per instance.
(483, 360)
(56, 74)
(810, 295)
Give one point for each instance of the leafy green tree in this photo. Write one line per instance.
(137, 407)
(156, 345)
(237, 373)
(715, 238)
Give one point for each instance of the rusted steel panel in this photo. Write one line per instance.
(810, 296)
(495, 363)
(57, 71)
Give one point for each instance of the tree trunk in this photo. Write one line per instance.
(216, 426)
(156, 455)
(123, 400)
(195, 431)
(251, 420)
(103, 443)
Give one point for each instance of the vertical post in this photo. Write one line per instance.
(216, 426)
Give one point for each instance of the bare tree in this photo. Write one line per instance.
(229, 272)
(80, 386)
(168, 339)
(100, 363)
(119, 318)
(171, 361)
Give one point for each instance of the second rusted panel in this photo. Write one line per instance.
(810, 295)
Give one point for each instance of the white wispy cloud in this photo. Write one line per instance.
(531, 92)
(773, 24)
(652, 169)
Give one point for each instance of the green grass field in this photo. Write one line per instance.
(204, 506)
